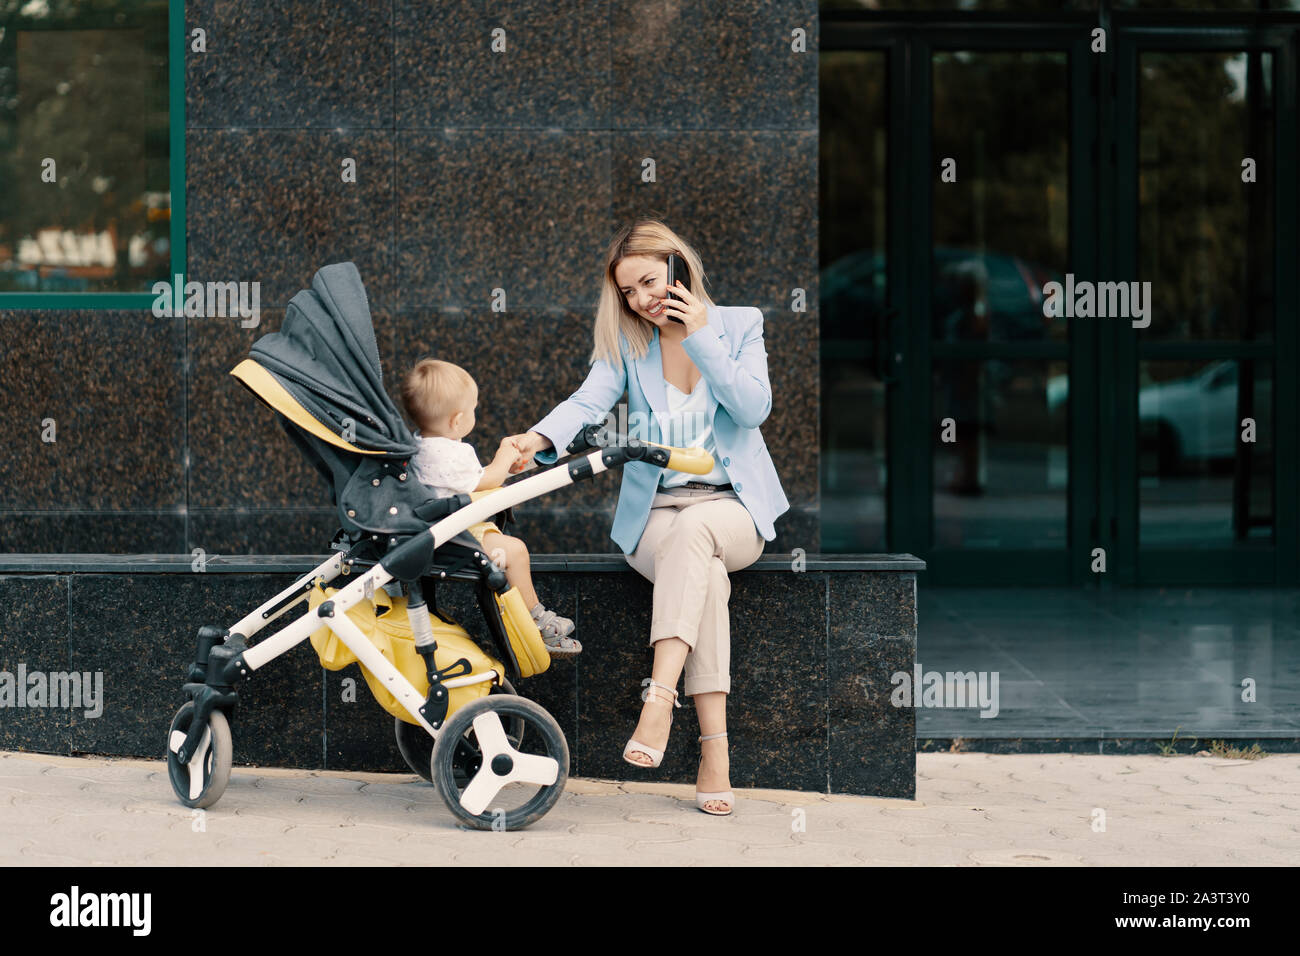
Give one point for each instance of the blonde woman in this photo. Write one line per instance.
(695, 372)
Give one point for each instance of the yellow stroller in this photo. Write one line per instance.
(498, 760)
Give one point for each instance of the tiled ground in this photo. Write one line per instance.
(1135, 664)
(970, 810)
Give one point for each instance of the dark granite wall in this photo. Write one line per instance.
(474, 171)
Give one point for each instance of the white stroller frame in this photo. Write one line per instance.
(501, 763)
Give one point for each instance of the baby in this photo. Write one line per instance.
(440, 398)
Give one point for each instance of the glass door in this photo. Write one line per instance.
(1002, 119)
(854, 297)
(1059, 292)
(1205, 483)
(953, 162)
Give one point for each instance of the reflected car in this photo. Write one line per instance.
(854, 295)
(1188, 419)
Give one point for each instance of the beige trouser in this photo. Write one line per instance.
(693, 538)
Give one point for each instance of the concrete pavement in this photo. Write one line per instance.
(971, 810)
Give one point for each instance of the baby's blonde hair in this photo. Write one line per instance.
(614, 317)
(435, 390)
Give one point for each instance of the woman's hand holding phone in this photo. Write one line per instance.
(682, 307)
(690, 312)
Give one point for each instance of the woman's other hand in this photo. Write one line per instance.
(527, 444)
(504, 463)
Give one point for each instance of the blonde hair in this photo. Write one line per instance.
(435, 390)
(614, 318)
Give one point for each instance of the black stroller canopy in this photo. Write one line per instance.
(321, 372)
(326, 358)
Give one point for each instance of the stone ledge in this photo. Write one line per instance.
(302, 563)
(812, 657)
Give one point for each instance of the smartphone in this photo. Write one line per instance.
(677, 270)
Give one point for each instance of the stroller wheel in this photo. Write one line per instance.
(202, 781)
(500, 786)
(416, 746)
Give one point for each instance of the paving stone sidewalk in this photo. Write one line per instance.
(971, 810)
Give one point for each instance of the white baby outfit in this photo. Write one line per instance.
(447, 466)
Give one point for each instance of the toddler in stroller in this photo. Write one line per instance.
(440, 398)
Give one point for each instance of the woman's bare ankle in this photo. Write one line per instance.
(655, 723)
(715, 766)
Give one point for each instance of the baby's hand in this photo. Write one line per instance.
(507, 451)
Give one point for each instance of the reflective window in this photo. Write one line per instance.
(1005, 6)
(1206, 480)
(1001, 233)
(1001, 217)
(1205, 236)
(1001, 468)
(853, 182)
(84, 157)
(1223, 5)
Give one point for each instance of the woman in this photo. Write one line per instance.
(701, 381)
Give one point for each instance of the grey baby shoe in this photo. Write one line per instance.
(555, 632)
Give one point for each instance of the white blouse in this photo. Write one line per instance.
(687, 425)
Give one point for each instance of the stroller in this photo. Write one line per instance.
(498, 760)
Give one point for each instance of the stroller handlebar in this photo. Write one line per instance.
(692, 461)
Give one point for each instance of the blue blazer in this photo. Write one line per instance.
(732, 359)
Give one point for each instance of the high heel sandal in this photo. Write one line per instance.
(726, 796)
(656, 756)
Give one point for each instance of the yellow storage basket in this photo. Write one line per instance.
(385, 623)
